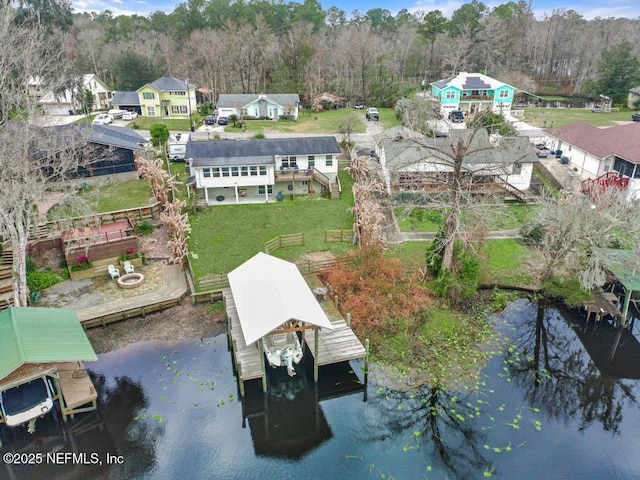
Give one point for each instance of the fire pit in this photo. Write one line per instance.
(130, 280)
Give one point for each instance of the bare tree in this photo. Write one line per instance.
(33, 160)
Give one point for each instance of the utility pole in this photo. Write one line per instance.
(189, 100)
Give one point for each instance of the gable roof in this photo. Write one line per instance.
(635, 90)
(41, 335)
(470, 81)
(405, 148)
(120, 137)
(232, 100)
(70, 95)
(621, 140)
(168, 83)
(257, 151)
(268, 292)
(125, 98)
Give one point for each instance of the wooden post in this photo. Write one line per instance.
(63, 408)
(366, 357)
(625, 307)
(349, 319)
(262, 366)
(240, 381)
(315, 355)
(335, 300)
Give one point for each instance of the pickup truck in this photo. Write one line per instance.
(372, 114)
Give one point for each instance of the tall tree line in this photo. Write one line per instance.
(271, 46)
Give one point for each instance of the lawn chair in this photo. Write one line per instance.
(114, 272)
(128, 267)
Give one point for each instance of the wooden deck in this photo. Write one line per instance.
(174, 287)
(337, 345)
(246, 356)
(603, 303)
(78, 392)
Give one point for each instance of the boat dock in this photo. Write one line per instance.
(76, 388)
(603, 303)
(327, 347)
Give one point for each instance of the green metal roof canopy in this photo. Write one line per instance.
(623, 265)
(41, 335)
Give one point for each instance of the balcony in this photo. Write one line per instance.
(291, 174)
(486, 98)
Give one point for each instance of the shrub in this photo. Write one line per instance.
(259, 134)
(40, 279)
(143, 227)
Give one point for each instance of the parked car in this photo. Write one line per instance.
(456, 116)
(130, 116)
(635, 117)
(372, 114)
(102, 119)
(223, 121)
(209, 120)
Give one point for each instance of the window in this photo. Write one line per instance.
(215, 171)
(329, 161)
(234, 171)
(450, 94)
(148, 95)
(305, 182)
(244, 171)
(254, 171)
(312, 161)
(225, 171)
(244, 112)
(183, 109)
(261, 189)
(289, 161)
(178, 93)
(206, 172)
(263, 170)
(151, 111)
(504, 94)
(175, 109)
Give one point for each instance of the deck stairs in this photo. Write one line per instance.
(333, 187)
(6, 276)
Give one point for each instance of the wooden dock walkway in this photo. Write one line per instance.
(249, 364)
(337, 345)
(78, 392)
(174, 287)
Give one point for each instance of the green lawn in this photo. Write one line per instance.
(223, 237)
(557, 117)
(496, 217)
(505, 260)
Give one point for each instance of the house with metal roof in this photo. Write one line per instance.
(42, 351)
(262, 170)
(472, 92)
(416, 164)
(259, 106)
(600, 155)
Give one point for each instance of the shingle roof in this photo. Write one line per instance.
(469, 81)
(120, 137)
(404, 149)
(125, 98)
(39, 335)
(257, 151)
(169, 83)
(230, 100)
(622, 140)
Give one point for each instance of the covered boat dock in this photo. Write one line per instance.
(268, 295)
(47, 342)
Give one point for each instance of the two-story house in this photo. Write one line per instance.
(600, 154)
(259, 106)
(167, 97)
(262, 170)
(70, 99)
(472, 92)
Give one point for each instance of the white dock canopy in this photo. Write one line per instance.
(268, 292)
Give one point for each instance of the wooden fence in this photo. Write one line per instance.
(338, 235)
(307, 267)
(293, 239)
(53, 228)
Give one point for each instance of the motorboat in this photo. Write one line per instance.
(26, 402)
(283, 349)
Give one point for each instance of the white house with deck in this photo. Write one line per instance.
(600, 154)
(262, 170)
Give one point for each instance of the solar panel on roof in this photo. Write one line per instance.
(475, 83)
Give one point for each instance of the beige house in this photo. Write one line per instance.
(61, 103)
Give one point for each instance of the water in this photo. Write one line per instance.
(543, 408)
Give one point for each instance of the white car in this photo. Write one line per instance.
(102, 119)
(130, 116)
